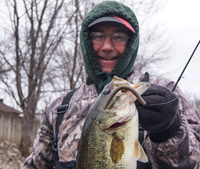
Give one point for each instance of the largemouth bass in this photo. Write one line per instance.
(109, 137)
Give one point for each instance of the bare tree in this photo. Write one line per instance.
(32, 34)
(2, 70)
(68, 57)
(155, 45)
(69, 71)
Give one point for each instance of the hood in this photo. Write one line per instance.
(126, 62)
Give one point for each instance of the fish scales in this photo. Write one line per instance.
(109, 137)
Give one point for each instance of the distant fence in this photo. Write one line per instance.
(10, 128)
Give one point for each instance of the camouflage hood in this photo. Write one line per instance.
(126, 62)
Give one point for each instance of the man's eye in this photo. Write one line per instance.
(117, 37)
(97, 37)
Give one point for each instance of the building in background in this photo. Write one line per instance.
(11, 123)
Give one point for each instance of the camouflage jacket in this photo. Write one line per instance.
(180, 151)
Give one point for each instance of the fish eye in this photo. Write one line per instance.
(106, 91)
(123, 90)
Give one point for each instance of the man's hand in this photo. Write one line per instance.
(160, 116)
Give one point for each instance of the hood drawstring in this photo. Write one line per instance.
(105, 79)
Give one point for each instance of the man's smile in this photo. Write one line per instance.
(108, 58)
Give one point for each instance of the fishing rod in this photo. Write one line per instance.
(185, 67)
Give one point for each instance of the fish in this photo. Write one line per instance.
(109, 137)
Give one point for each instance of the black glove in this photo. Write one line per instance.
(160, 116)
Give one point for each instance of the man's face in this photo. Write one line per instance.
(108, 53)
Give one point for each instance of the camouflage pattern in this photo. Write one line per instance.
(180, 151)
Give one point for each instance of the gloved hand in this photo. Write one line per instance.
(160, 116)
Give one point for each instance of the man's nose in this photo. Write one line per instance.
(107, 44)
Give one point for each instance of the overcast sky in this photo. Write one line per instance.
(182, 19)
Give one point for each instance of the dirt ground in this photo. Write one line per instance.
(10, 156)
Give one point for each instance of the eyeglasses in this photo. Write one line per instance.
(98, 38)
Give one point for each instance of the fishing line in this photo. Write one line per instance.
(158, 104)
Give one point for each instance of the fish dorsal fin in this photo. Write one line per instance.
(139, 153)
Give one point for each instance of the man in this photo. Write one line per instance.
(109, 43)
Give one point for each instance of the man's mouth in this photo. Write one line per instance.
(107, 58)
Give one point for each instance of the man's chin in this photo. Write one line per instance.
(107, 70)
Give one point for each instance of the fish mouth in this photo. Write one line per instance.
(120, 119)
(117, 125)
(120, 123)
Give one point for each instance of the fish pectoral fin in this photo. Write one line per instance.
(136, 150)
(139, 153)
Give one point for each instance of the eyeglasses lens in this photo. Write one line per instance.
(116, 38)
